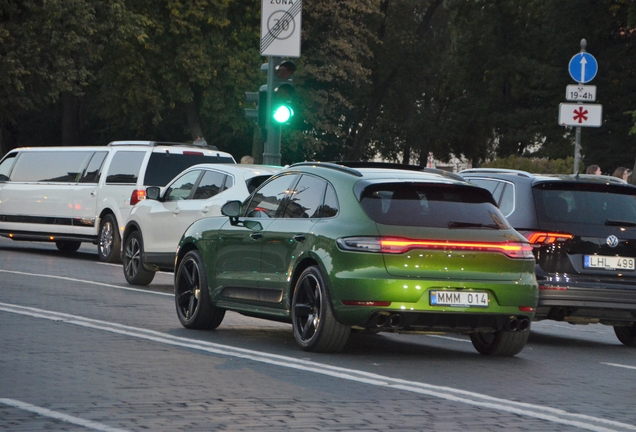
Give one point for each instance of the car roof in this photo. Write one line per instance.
(238, 168)
(542, 178)
(379, 170)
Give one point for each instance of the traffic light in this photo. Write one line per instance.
(282, 92)
(252, 113)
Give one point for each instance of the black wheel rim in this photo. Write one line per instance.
(307, 308)
(106, 239)
(132, 257)
(188, 289)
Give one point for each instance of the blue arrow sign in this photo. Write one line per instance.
(583, 67)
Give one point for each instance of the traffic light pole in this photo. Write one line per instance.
(271, 153)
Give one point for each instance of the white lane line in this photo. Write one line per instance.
(546, 413)
(456, 339)
(619, 365)
(119, 265)
(87, 282)
(59, 416)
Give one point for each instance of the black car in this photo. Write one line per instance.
(583, 229)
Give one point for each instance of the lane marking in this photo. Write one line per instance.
(87, 282)
(59, 416)
(546, 413)
(619, 365)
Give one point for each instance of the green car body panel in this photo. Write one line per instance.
(253, 266)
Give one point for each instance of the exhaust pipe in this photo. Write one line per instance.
(524, 324)
(395, 321)
(381, 320)
(513, 324)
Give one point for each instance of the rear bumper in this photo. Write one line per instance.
(586, 302)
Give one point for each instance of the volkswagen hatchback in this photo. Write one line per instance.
(329, 247)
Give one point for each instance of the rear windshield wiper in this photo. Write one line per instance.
(619, 223)
(455, 224)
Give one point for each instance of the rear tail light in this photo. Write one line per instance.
(193, 153)
(137, 195)
(539, 238)
(399, 245)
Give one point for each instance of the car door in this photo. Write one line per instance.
(238, 254)
(164, 225)
(85, 196)
(203, 202)
(287, 238)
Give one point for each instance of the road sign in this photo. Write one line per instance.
(583, 93)
(280, 27)
(583, 67)
(581, 115)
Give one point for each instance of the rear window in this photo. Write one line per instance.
(163, 167)
(591, 204)
(432, 205)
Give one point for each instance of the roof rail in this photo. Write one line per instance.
(398, 166)
(158, 143)
(333, 165)
(496, 170)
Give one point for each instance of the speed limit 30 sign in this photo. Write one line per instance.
(280, 28)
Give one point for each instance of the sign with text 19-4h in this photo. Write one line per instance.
(582, 68)
(280, 28)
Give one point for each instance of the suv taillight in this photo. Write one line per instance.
(400, 245)
(137, 195)
(542, 237)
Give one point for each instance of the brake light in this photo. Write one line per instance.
(137, 195)
(539, 238)
(193, 153)
(399, 245)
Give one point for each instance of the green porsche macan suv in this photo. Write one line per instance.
(376, 247)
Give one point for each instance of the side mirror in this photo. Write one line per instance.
(231, 209)
(153, 192)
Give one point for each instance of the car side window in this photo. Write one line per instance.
(125, 167)
(502, 192)
(306, 198)
(6, 165)
(211, 184)
(181, 188)
(267, 200)
(94, 168)
(331, 207)
(50, 166)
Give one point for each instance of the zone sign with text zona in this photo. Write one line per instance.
(280, 28)
(584, 115)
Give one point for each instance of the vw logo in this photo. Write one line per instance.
(612, 241)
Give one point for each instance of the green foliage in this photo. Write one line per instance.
(533, 165)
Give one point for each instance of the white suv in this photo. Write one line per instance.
(70, 195)
(155, 225)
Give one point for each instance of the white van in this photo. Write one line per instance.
(70, 195)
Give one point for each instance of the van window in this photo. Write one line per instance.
(163, 167)
(94, 169)
(50, 166)
(6, 165)
(125, 167)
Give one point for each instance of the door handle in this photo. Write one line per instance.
(176, 211)
(299, 238)
(256, 235)
(93, 193)
(205, 209)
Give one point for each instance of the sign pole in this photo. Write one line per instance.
(271, 153)
(577, 134)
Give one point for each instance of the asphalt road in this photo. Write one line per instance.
(80, 349)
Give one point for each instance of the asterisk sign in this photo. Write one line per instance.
(580, 115)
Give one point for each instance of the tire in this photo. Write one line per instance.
(67, 246)
(109, 246)
(134, 270)
(192, 295)
(626, 334)
(315, 326)
(501, 343)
